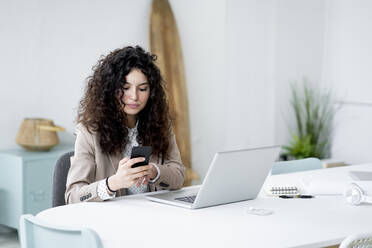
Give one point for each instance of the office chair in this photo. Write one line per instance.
(296, 165)
(357, 241)
(59, 179)
(34, 233)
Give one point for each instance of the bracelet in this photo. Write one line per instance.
(113, 191)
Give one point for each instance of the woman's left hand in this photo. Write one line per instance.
(153, 172)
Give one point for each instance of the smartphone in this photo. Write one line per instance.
(141, 151)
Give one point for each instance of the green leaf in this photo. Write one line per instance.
(314, 111)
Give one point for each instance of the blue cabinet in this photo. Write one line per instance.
(26, 182)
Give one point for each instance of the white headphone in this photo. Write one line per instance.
(355, 195)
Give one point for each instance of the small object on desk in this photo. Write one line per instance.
(296, 196)
(361, 175)
(282, 190)
(259, 211)
(324, 186)
(330, 163)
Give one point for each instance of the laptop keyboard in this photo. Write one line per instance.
(189, 199)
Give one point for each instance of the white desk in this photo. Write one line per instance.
(135, 222)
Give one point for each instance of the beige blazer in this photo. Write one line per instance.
(90, 165)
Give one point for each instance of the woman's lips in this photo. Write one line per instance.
(132, 106)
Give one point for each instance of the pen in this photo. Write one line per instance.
(296, 196)
(143, 180)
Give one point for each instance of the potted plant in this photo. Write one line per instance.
(314, 110)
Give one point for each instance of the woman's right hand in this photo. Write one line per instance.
(126, 176)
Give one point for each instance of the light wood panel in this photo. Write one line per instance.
(165, 43)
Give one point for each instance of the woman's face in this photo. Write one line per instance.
(136, 92)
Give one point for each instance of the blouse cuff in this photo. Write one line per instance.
(102, 191)
(157, 177)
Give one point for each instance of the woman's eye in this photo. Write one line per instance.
(143, 89)
(126, 88)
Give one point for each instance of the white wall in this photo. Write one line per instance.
(47, 50)
(202, 30)
(328, 42)
(299, 53)
(347, 69)
(49, 47)
(239, 58)
(228, 52)
(249, 86)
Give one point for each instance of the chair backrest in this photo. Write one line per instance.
(59, 179)
(296, 165)
(363, 240)
(37, 234)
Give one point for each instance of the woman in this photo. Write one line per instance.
(124, 105)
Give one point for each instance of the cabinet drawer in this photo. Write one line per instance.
(10, 190)
(38, 185)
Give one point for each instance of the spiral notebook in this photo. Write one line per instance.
(282, 190)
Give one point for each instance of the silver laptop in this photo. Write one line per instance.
(232, 176)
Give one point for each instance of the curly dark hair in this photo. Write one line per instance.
(100, 109)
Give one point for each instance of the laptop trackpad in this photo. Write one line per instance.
(178, 195)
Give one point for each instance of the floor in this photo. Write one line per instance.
(8, 238)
